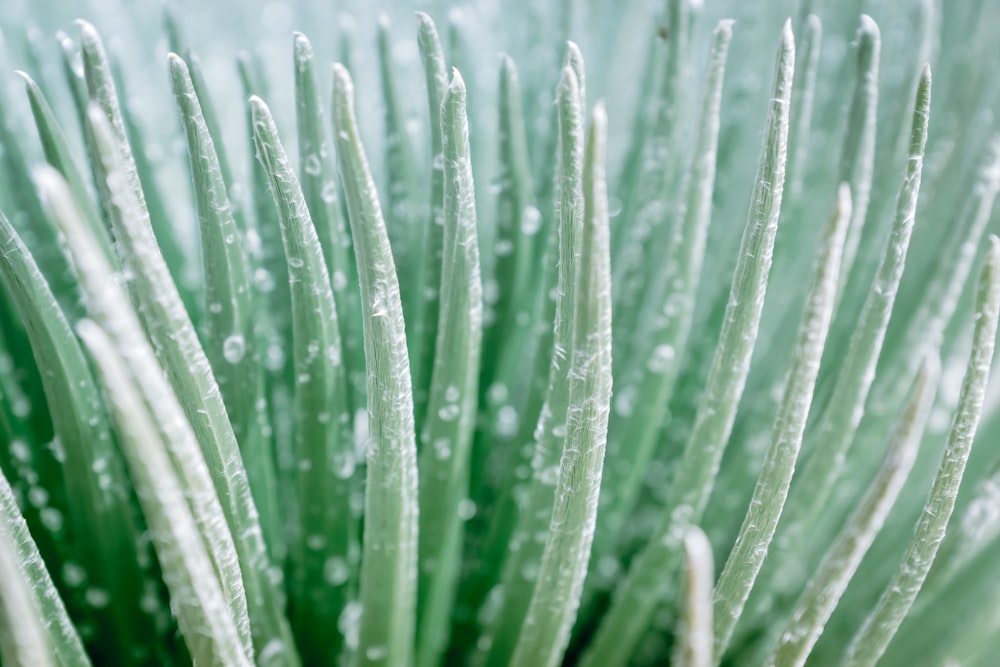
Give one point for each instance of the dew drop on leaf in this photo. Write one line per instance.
(336, 571)
(234, 348)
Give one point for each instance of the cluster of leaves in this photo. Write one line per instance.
(333, 423)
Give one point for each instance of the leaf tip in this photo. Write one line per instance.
(724, 28)
(258, 108)
(568, 83)
(457, 86)
(89, 37)
(599, 117)
(814, 25)
(868, 26)
(787, 36)
(176, 64)
(925, 82)
(993, 253)
(302, 46)
(697, 548)
(342, 83)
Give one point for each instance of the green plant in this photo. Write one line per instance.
(256, 410)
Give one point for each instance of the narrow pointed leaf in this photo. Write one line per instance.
(57, 153)
(107, 304)
(228, 325)
(827, 585)
(401, 179)
(421, 301)
(424, 291)
(316, 174)
(98, 497)
(761, 521)
(324, 443)
(802, 105)
(203, 614)
(643, 587)
(694, 635)
(446, 437)
(651, 206)
(190, 374)
(102, 90)
(389, 553)
(857, 155)
(556, 598)
(873, 638)
(48, 632)
(842, 415)
(633, 442)
(527, 542)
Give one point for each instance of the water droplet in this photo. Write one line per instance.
(449, 413)
(275, 358)
(73, 574)
(349, 623)
(625, 402)
(57, 449)
(451, 394)
(215, 308)
(336, 571)
(313, 166)
(271, 650)
(38, 497)
(442, 448)
(264, 280)
(253, 242)
(234, 348)
(150, 601)
(531, 221)
(315, 542)
(466, 509)
(98, 598)
(498, 392)
(503, 248)
(607, 567)
(21, 407)
(296, 262)
(52, 518)
(491, 291)
(662, 359)
(507, 422)
(549, 476)
(343, 464)
(491, 607)
(329, 192)
(375, 653)
(339, 280)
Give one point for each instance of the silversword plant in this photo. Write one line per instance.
(433, 357)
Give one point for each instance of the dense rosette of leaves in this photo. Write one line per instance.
(664, 337)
